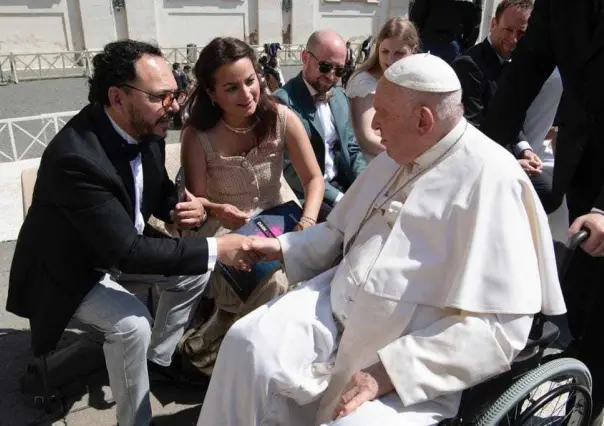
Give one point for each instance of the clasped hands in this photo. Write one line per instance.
(530, 163)
(243, 252)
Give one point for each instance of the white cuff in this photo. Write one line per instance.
(594, 210)
(521, 146)
(212, 253)
(339, 197)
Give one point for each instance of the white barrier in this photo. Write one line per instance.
(16, 67)
(18, 136)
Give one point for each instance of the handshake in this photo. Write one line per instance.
(243, 252)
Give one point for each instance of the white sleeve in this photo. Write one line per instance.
(453, 354)
(212, 253)
(312, 251)
(361, 85)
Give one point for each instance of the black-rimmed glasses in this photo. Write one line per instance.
(326, 66)
(166, 98)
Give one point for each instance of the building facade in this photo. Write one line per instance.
(38, 26)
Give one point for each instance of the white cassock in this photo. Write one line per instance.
(440, 286)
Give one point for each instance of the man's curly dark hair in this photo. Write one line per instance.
(115, 65)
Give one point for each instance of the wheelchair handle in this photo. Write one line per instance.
(578, 238)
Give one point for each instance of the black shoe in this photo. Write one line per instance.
(173, 375)
(169, 373)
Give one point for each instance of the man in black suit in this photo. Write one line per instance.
(446, 27)
(570, 35)
(99, 180)
(479, 69)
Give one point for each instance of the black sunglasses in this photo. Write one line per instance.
(166, 99)
(325, 66)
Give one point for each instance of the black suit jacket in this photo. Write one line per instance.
(81, 221)
(559, 35)
(478, 70)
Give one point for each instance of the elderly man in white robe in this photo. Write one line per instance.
(422, 283)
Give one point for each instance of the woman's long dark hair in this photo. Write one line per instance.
(203, 114)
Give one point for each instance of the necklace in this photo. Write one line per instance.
(240, 130)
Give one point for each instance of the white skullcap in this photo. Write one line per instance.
(423, 72)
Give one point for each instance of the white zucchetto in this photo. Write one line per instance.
(423, 72)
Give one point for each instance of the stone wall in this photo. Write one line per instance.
(59, 25)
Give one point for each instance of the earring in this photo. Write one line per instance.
(213, 104)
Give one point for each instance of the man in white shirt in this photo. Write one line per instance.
(438, 252)
(325, 114)
(85, 234)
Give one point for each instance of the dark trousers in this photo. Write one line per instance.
(543, 186)
(583, 291)
(446, 50)
(326, 208)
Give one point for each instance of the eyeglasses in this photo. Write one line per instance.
(166, 99)
(325, 66)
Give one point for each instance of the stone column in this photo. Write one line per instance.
(270, 22)
(98, 23)
(141, 17)
(303, 20)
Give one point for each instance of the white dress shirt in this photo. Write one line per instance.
(136, 166)
(331, 134)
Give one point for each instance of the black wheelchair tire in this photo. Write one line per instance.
(563, 367)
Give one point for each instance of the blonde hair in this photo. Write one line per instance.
(397, 27)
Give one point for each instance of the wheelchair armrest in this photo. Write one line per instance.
(547, 335)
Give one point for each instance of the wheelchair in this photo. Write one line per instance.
(521, 396)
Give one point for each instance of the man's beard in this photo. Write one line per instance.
(144, 127)
(320, 87)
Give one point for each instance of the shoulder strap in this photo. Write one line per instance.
(281, 121)
(205, 143)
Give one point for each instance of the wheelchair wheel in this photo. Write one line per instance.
(528, 402)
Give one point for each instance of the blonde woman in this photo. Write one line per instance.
(397, 38)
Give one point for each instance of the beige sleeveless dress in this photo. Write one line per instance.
(251, 183)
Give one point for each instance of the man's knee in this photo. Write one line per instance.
(135, 328)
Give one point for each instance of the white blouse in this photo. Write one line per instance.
(361, 85)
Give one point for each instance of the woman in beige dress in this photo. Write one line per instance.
(397, 38)
(232, 154)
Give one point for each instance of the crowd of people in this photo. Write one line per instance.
(428, 191)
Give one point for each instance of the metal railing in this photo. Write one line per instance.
(16, 67)
(27, 137)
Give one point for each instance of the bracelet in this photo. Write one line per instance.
(307, 220)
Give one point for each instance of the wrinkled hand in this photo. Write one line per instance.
(363, 386)
(594, 245)
(268, 249)
(189, 213)
(529, 154)
(530, 162)
(530, 167)
(235, 250)
(230, 216)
